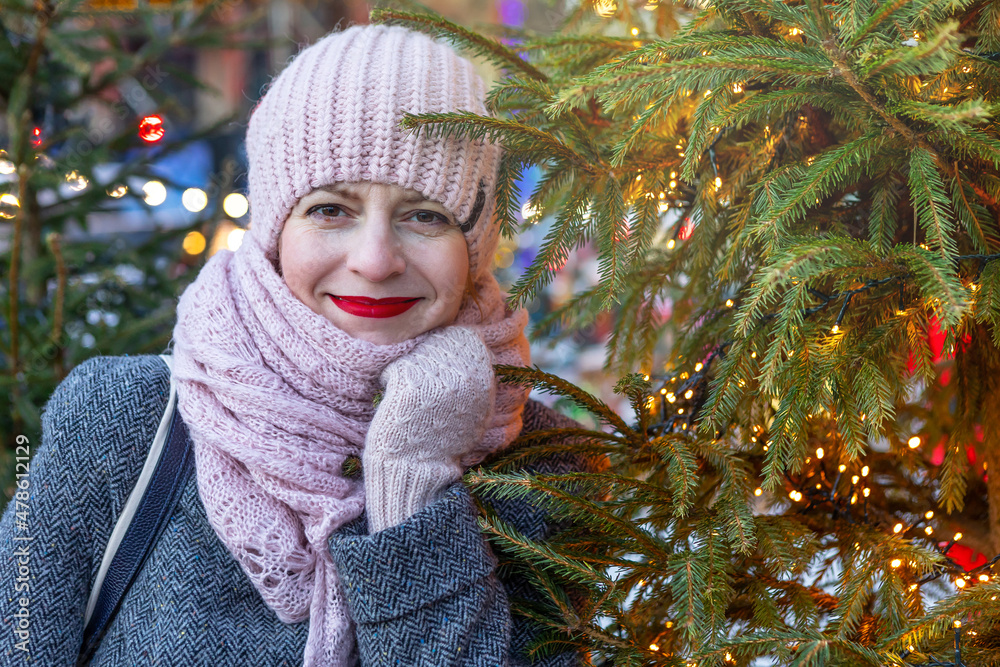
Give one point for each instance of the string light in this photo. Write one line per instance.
(151, 128)
(8, 204)
(155, 193)
(929, 515)
(194, 243)
(914, 442)
(194, 199)
(897, 528)
(819, 452)
(235, 205)
(864, 471)
(896, 563)
(758, 491)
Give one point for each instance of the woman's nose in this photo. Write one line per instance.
(375, 251)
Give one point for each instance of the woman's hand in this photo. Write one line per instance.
(436, 405)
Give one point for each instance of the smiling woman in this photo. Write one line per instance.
(366, 252)
(358, 320)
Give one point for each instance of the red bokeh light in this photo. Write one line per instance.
(151, 129)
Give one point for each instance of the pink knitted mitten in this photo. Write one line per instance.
(436, 405)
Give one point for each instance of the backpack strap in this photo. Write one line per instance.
(146, 512)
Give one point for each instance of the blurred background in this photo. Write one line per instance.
(122, 169)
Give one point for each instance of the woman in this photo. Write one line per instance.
(358, 318)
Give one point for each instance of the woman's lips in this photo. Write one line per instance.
(363, 306)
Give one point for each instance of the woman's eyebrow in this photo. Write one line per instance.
(348, 192)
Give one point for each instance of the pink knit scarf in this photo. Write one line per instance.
(276, 397)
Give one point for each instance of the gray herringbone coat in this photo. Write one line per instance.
(422, 593)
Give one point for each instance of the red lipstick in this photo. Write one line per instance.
(364, 306)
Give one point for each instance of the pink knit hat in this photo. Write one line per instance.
(333, 115)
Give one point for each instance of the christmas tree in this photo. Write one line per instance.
(95, 114)
(808, 475)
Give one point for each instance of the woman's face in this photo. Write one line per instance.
(349, 243)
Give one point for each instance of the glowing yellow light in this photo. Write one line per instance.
(605, 8)
(76, 181)
(235, 239)
(235, 205)
(663, 391)
(929, 514)
(698, 366)
(708, 92)
(929, 529)
(638, 178)
(835, 328)
(896, 562)
(957, 537)
(646, 378)
(914, 442)
(118, 191)
(8, 203)
(635, 31)
(718, 182)
(654, 647)
(819, 452)
(670, 244)
(960, 583)
(194, 243)
(753, 355)
(194, 199)
(6, 166)
(854, 499)
(897, 528)
(864, 471)
(842, 467)
(737, 88)
(854, 479)
(758, 491)
(866, 492)
(673, 184)
(688, 394)
(729, 304)
(913, 587)
(155, 193)
(680, 411)
(671, 398)
(984, 577)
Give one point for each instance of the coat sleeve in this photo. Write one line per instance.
(426, 592)
(53, 531)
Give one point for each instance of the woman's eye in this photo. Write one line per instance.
(326, 210)
(429, 217)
